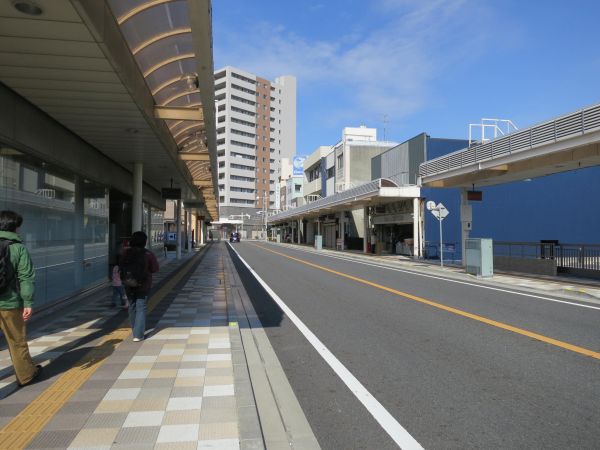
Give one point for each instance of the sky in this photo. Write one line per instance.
(411, 66)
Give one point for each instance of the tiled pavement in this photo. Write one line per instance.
(62, 332)
(177, 389)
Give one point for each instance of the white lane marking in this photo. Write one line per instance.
(539, 297)
(376, 409)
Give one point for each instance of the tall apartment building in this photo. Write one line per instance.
(256, 128)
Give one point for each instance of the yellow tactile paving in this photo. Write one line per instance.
(23, 428)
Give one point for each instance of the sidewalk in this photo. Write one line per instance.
(569, 288)
(59, 329)
(205, 377)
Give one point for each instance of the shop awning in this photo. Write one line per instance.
(376, 192)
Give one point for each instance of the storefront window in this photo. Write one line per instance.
(65, 223)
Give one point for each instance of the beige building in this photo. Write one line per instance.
(256, 128)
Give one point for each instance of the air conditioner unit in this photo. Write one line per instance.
(479, 257)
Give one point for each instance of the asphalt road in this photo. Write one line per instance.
(452, 381)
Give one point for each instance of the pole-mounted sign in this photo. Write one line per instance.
(440, 212)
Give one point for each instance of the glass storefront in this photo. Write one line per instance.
(157, 230)
(65, 226)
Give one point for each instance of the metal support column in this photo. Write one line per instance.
(178, 228)
(78, 234)
(189, 230)
(367, 229)
(137, 210)
(201, 232)
(299, 226)
(416, 228)
(466, 218)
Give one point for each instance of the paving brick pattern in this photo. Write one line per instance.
(174, 390)
(52, 339)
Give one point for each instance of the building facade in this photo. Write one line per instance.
(315, 174)
(330, 170)
(256, 128)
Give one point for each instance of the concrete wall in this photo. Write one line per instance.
(525, 265)
(288, 115)
(360, 161)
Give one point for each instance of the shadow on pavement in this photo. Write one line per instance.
(268, 312)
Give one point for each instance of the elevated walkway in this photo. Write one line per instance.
(566, 143)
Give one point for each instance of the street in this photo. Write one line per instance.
(457, 365)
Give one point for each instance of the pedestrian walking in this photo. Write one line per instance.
(136, 268)
(17, 278)
(118, 294)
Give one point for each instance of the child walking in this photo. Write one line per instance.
(118, 289)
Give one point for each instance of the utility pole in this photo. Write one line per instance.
(265, 210)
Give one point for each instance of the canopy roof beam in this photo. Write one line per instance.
(172, 113)
(194, 156)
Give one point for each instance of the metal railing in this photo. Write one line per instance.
(530, 250)
(564, 127)
(574, 256)
(567, 256)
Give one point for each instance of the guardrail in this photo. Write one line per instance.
(564, 127)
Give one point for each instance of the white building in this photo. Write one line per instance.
(256, 128)
(315, 172)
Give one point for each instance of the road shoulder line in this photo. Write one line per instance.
(389, 424)
(283, 421)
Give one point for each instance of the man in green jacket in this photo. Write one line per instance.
(16, 299)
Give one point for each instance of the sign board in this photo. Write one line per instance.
(440, 211)
(277, 198)
(171, 193)
(474, 196)
(392, 218)
(298, 164)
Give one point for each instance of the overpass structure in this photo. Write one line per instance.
(568, 142)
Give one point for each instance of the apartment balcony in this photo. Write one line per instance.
(312, 187)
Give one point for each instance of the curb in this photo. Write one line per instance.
(580, 292)
(562, 292)
(282, 420)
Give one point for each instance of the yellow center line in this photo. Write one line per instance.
(21, 430)
(504, 326)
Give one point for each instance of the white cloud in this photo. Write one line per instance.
(386, 70)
